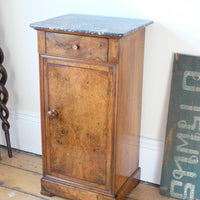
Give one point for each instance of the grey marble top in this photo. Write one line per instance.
(98, 25)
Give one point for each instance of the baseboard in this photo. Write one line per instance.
(25, 132)
(25, 135)
(151, 158)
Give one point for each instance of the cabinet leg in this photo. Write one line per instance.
(46, 193)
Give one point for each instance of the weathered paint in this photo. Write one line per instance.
(181, 165)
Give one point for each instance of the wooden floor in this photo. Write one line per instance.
(20, 180)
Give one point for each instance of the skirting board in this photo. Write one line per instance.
(25, 132)
(25, 135)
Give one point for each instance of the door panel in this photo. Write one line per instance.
(78, 139)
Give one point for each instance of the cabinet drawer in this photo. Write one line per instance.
(83, 47)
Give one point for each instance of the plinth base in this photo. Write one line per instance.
(51, 188)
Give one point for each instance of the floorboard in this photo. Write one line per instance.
(6, 193)
(20, 180)
(23, 160)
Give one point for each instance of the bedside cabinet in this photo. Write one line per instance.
(91, 88)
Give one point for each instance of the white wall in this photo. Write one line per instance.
(175, 29)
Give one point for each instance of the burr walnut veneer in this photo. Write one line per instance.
(91, 89)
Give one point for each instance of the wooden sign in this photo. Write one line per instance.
(181, 165)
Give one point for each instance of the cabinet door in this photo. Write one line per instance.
(78, 116)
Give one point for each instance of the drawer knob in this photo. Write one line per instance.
(75, 46)
(52, 114)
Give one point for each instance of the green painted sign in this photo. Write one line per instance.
(181, 164)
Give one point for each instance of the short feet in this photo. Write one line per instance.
(46, 193)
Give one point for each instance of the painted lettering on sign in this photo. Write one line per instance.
(181, 163)
(188, 188)
(191, 81)
(196, 124)
(179, 172)
(181, 147)
(187, 132)
(189, 107)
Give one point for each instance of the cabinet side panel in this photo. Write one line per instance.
(129, 106)
(42, 113)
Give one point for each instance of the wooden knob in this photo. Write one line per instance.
(75, 46)
(52, 113)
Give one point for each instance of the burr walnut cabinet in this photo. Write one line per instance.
(91, 87)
